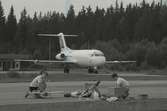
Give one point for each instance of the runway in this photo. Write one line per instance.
(75, 75)
(13, 93)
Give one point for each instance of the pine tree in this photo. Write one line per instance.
(11, 26)
(70, 24)
(20, 38)
(2, 24)
(70, 20)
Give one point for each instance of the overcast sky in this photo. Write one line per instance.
(58, 5)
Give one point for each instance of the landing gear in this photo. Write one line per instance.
(92, 70)
(66, 69)
(95, 71)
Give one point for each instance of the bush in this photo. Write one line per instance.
(154, 57)
(13, 74)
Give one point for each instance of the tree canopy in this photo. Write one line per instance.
(133, 32)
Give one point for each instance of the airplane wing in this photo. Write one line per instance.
(45, 61)
(119, 62)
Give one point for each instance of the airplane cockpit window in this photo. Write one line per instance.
(98, 54)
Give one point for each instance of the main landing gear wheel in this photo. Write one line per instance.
(95, 71)
(92, 70)
(66, 69)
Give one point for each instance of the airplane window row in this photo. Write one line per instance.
(97, 55)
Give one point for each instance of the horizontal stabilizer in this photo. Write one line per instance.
(61, 36)
(56, 35)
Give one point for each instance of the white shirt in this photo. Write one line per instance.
(122, 83)
(37, 81)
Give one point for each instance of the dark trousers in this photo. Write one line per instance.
(31, 89)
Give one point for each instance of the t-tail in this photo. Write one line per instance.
(62, 42)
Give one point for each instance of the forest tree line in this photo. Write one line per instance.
(133, 32)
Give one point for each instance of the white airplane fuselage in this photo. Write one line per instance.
(85, 58)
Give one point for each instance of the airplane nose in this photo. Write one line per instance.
(102, 60)
(56, 56)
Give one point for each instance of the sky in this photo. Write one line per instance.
(58, 5)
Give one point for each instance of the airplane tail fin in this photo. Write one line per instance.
(62, 41)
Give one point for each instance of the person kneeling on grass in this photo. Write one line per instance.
(91, 91)
(38, 85)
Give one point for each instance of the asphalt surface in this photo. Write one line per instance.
(59, 76)
(13, 93)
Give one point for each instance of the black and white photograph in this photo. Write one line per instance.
(83, 55)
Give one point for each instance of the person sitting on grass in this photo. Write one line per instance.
(38, 85)
(122, 84)
(86, 93)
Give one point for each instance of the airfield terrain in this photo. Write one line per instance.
(13, 93)
(79, 75)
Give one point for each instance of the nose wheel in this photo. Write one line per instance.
(93, 70)
(66, 70)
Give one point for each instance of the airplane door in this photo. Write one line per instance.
(91, 60)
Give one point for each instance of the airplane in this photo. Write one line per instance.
(90, 58)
